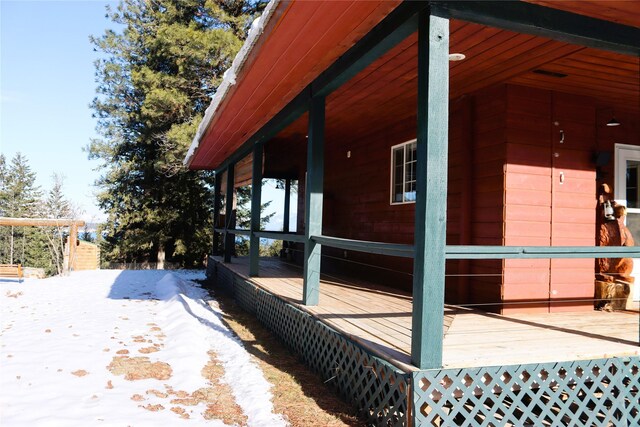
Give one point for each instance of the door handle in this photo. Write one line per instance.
(561, 178)
(561, 136)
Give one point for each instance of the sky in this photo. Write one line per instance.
(47, 83)
(50, 344)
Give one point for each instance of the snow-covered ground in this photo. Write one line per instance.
(122, 348)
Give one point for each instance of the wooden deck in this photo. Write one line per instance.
(380, 319)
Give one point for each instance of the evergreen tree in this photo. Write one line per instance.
(57, 206)
(4, 176)
(243, 217)
(19, 197)
(5, 232)
(157, 79)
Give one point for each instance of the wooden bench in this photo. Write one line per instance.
(11, 270)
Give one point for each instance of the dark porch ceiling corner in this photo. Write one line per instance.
(626, 12)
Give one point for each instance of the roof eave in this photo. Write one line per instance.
(256, 34)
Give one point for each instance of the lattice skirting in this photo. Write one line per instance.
(601, 392)
(375, 387)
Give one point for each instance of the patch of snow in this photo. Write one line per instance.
(58, 336)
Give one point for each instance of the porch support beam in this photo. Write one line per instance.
(229, 222)
(313, 205)
(431, 191)
(393, 29)
(543, 21)
(287, 205)
(215, 247)
(397, 26)
(256, 202)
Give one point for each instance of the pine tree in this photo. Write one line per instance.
(5, 232)
(57, 206)
(157, 79)
(243, 217)
(19, 198)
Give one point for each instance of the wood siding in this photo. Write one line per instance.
(505, 163)
(87, 256)
(527, 203)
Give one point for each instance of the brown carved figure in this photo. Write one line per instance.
(613, 281)
(615, 233)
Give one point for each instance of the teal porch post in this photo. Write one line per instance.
(431, 194)
(215, 249)
(256, 201)
(313, 206)
(287, 205)
(229, 221)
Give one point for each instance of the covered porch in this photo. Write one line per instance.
(357, 340)
(410, 161)
(379, 319)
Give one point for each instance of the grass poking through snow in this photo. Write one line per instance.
(298, 393)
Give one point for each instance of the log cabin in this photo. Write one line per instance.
(452, 154)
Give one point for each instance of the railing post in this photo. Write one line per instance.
(431, 191)
(229, 221)
(287, 205)
(256, 202)
(215, 250)
(313, 205)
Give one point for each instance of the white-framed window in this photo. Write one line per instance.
(403, 172)
(627, 193)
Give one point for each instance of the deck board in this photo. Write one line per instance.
(380, 319)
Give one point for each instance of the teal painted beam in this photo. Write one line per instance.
(256, 202)
(215, 246)
(314, 199)
(287, 205)
(539, 252)
(294, 109)
(459, 252)
(547, 22)
(431, 194)
(394, 28)
(391, 249)
(238, 231)
(229, 220)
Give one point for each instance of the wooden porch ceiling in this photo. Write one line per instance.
(309, 36)
(625, 12)
(303, 39)
(388, 86)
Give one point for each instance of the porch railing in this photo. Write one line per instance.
(453, 251)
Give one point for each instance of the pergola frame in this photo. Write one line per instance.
(431, 20)
(49, 222)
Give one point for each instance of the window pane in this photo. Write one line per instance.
(410, 171)
(403, 185)
(398, 164)
(632, 185)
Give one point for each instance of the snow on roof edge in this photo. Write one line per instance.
(229, 77)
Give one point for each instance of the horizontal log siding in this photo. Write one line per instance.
(489, 137)
(501, 191)
(459, 196)
(357, 197)
(527, 196)
(574, 201)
